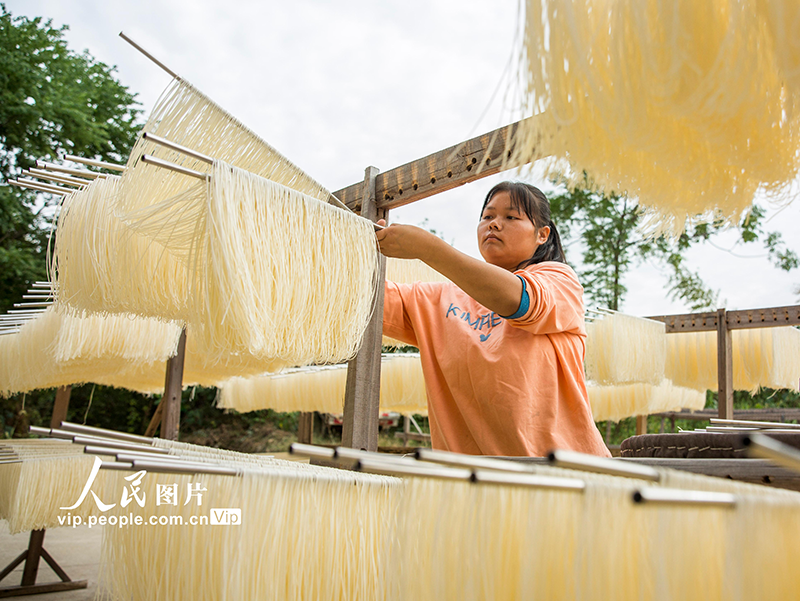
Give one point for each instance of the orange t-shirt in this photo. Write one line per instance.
(497, 386)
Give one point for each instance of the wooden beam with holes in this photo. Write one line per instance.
(736, 320)
(443, 170)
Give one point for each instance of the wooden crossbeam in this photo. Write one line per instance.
(443, 170)
(736, 320)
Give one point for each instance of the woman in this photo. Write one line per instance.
(502, 347)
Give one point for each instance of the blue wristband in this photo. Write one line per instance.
(524, 302)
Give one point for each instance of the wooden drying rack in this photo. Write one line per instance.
(723, 323)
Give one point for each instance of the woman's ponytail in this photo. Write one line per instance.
(550, 250)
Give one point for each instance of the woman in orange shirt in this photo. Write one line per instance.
(502, 347)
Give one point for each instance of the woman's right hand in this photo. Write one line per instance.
(404, 241)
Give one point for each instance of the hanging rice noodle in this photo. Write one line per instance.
(61, 348)
(623, 349)
(689, 106)
(254, 267)
(48, 474)
(521, 543)
(408, 271)
(400, 539)
(768, 357)
(405, 538)
(295, 549)
(322, 388)
(102, 266)
(626, 400)
(278, 274)
(186, 116)
(58, 349)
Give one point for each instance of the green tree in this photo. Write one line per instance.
(612, 242)
(51, 99)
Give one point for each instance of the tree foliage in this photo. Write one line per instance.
(608, 227)
(51, 99)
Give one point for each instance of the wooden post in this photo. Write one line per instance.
(305, 427)
(173, 389)
(724, 367)
(32, 560)
(641, 425)
(61, 405)
(362, 393)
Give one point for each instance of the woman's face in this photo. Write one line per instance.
(506, 237)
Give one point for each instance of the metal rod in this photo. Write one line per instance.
(761, 445)
(148, 55)
(156, 162)
(307, 450)
(56, 189)
(676, 496)
(178, 147)
(37, 187)
(734, 429)
(751, 423)
(33, 304)
(94, 163)
(394, 468)
(174, 468)
(35, 296)
(527, 480)
(356, 454)
(39, 430)
(471, 461)
(64, 179)
(21, 312)
(102, 432)
(207, 159)
(601, 465)
(116, 465)
(114, 447)
(166, 460)
(78, 172)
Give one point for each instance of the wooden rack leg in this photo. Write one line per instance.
(36, 549)
(173, 390)
(641, 425)
(724, 367)
(362, 392)
(305, 427)
(61, 406)
(155, 421)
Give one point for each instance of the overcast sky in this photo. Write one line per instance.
(338, 86)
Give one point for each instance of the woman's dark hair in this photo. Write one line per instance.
(532, 201)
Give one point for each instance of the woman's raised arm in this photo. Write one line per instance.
(494, 287)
